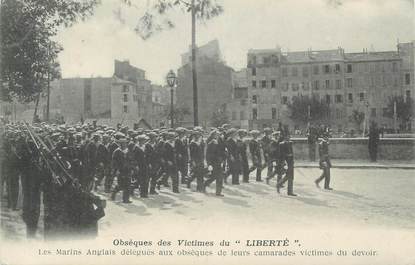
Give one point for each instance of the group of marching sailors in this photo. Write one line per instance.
(138, 162)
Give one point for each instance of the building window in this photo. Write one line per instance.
(264, 83)
(362, 96)
(255, 99)
(272, 83)
(349, 82)
(338, 99)
(125, 109)
(242, 114)
(407, 94)
(125, 98)
(327, 84)
(274, 113)
(305, 71)
(253, 71)
(373, 112)
(294, 71)
(407, 79)
(125, 88)
(316, 85)
(284, 72)
(337, 68)
(284, 100)
(254, 114)
(233, 115)
(254, 83)
(349, 68)
(315, 69)
(326, 68)
(328, 99)
(350, 98)
(338, 84)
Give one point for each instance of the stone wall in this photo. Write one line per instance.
(357, 149)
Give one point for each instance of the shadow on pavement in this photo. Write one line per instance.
(236, 202)
(257, 189)
(234, 192)
(135, 209)
(350, 195)
(311, 201)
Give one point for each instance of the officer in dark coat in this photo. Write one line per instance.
(31, 183)
(255, 150)
(242, 148)
(287, 155)
(181, 147)
(120, 165)
(160, 152)
(153, 161)
(112, 146)
(103, 161)
(140, 158)
(265, 145)
(196, 161)
(234, 158)
(373, 141)
(171, 164)
(13, 165)
(274, 157)
(214, 158)
(325, 164)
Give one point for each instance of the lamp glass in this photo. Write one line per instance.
(171, 78)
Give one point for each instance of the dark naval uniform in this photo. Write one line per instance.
(197, 164)
(182, 158)
(171, 166)
(120, 166)
(140, 159)
(214, 158)
(325, 164)
(287, 155)
(234, 160)
(242, 146)
(265, 144)
(255, 150)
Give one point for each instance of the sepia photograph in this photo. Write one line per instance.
(207, 132)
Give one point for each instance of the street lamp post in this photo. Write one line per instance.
(171, 81)
(394, 116)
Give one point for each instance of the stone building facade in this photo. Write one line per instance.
(345, 81)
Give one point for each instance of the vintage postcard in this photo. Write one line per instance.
(207, 132)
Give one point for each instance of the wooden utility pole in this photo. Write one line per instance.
(194, 71)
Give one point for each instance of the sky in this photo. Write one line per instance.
(90, 47)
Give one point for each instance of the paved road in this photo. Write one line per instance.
(362, 198)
